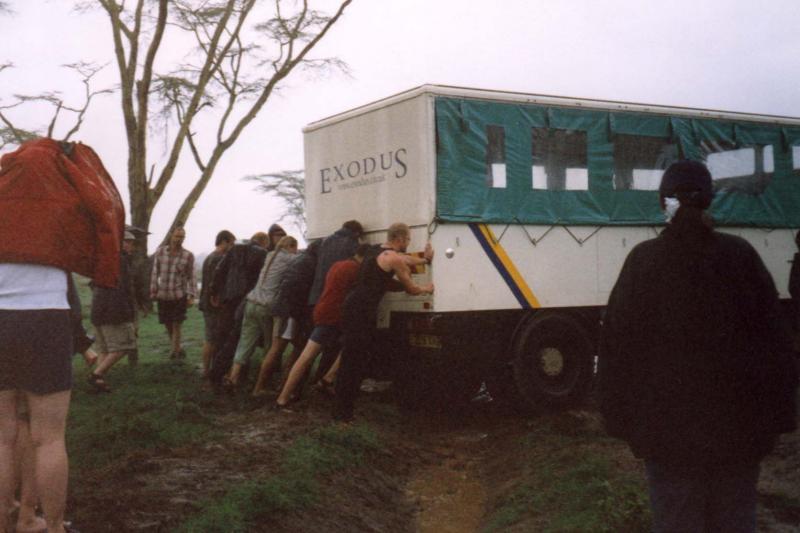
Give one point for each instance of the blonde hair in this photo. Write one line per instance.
(283, 244)
(397, 230)
(287, 241)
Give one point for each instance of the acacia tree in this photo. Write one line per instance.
(289, 186)
(242, 51)
(12, 134)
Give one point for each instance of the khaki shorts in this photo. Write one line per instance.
(113, 338)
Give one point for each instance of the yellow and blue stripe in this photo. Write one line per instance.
(504, 265)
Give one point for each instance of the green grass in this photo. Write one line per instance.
(246, 504)
(155, 405)
(158, 405)
(571, 486)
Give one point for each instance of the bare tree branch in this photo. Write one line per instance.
(239, 53)
(88, 71)
(15, 135)
(289, 186)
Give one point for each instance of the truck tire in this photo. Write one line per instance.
(553, 360)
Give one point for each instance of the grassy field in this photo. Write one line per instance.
(159, 405)
(564, 478)
(153, 405)
(568, 481)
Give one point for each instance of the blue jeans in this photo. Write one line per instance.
(710, 499)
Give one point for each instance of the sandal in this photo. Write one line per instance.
(98, 383)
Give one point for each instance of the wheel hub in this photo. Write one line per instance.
(551, 361)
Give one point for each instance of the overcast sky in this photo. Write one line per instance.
(722, 54)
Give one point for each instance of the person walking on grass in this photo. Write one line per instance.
(258, 322)
(173, 286)
(360, 311)
(695, 371)
(114, 318)
(327, 332)
(211, 313)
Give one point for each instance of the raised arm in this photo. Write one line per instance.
(426, 259)
(400, 268)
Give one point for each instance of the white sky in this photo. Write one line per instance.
(723, 54)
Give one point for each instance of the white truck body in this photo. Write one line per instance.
(377, 164)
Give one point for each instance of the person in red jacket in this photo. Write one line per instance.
(327, 315)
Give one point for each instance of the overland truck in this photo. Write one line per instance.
(531, 204)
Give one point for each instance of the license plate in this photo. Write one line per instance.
(424, 340)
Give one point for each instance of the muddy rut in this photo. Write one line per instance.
(434, 473)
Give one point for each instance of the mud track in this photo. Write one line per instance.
(436, 472)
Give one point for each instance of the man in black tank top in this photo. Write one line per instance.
(360, 310)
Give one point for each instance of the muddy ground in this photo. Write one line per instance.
(437, 472)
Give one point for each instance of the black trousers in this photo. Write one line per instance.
(357, 354)
(229, 329)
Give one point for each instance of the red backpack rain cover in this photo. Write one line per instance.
(60, 207)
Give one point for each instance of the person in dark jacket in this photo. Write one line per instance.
(276, 233)
(695, 372)
(233, 278)
(114, 319)
(338, 246)
(794, 291)
(211, 313)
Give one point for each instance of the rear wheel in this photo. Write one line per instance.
(553, 360)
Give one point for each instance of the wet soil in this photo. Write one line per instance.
(437, 472)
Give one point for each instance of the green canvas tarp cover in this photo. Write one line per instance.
(607, 148)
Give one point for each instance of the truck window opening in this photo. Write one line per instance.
(559, 160)
(496, 156)
(640, 161)
(747, 169)
(796, 158)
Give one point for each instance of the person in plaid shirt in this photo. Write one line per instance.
(173, 286)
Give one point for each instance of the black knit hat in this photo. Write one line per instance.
(688, 181)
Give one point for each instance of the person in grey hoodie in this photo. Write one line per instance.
(258, 322)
